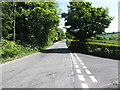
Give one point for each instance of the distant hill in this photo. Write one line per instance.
(110, 36)
(110, 33)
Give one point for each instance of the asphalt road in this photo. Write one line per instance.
(57, 67)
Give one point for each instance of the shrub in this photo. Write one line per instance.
(97, 49)
(9, 49)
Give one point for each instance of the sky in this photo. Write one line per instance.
(111, 4)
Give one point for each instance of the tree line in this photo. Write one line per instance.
(32, 24)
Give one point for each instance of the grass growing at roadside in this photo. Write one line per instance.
(21, 54)
(11, 51)
(118, 87)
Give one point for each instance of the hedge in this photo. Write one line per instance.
(108, 51)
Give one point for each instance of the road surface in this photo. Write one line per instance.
(57, 67)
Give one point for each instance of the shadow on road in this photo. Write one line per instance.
(56, 50)
(66, 50)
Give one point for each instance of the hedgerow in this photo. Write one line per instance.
(102, 50)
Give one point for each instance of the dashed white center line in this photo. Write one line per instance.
(81, 78)
(84, 67)
(82, 63)
(84, 85)
(87, 71)
(93, 79)
(72, 57)
(76, 66)
(77, 57)
(75, 63)
(72, 73)
(78, 71)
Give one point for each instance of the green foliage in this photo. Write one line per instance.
(69, 36)
(108, 36)
(34, 22)
(36, 26)
(118, 87)
(85, 21)
(61, 34)
(98, 49)
(109, 42)
(40, 20)
(10, 50)
(7, 20)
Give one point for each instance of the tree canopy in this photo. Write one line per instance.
(85, 21)
(34, 22)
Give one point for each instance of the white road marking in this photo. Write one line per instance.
(73, 77)
(93, 79)
(78, 58)
(82, 63)
(72, 57)
(78, 71)
(84, 85)
(87, 71)
(81, 78)
(84, 67)
(75, 63)
(76, 66)
(72, 73)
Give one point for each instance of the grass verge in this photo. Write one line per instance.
(11, 51)
(22, 53)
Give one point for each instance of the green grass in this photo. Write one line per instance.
(111, 42)
(25, 51)
(101, 42)
(108, 38)
(112, 36)
(11, 51)
(105, 44)
(118, 87)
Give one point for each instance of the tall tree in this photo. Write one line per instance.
(85, 21)
(33, 21)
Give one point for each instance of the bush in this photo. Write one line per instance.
(95, 49)
(9, 49)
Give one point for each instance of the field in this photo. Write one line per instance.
(105, 42)
(107, 38)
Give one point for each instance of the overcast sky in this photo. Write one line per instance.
(111, 4)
